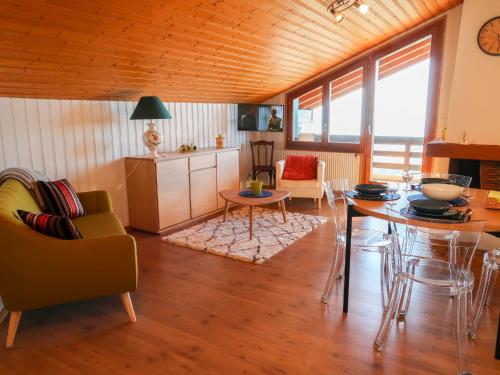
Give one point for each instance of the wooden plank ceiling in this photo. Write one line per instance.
(185, 50)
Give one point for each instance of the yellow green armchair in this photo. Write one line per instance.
(38, 271)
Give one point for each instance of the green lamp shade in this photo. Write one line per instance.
(150, 108)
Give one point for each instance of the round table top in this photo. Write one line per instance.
(378, 209)
(234, 196)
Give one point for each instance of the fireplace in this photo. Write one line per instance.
(481, 162)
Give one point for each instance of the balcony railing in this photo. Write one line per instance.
(392, 155)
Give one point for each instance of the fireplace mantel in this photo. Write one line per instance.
(463, 151)
(481, 162)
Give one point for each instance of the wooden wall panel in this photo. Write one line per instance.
(86, 141)
(185, 50)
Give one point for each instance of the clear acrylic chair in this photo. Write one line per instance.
(491, 267)
(439, 276)
(367, 239)
(422, 243)
(429, 236)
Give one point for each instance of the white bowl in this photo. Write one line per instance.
(442, 192)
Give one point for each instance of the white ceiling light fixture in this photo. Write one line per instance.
(338, 6)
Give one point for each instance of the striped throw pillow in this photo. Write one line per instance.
(50, 225)
(60, 199)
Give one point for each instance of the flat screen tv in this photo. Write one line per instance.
(260, 117)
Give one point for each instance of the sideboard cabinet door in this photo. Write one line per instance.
(228, 173)
(203, 192)
(173, 191)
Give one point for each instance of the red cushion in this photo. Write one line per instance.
(300, 167)
(50, 225)
(61, 199)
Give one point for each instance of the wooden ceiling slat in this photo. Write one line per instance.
(190, 50)
(248, 40)
(178, 62)
(324, 20)
(296, 38)
(394, 13)
(205, 90)
(103, 42)
(188, 67)
(234, 54)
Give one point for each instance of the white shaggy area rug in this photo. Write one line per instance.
(231, 238)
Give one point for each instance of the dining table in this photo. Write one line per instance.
(378, 209)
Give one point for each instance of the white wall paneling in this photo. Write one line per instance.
(86, 141)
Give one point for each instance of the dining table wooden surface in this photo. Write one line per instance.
(378, 209)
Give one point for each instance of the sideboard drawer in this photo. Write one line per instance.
(201, 162)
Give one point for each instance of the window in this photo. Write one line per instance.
(329, 115)
(346, 107)
(350, 109)
(308, 116)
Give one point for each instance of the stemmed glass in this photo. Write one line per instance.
(468, 194)
(407, 177)
(392, 188)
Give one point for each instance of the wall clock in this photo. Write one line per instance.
(488, 37)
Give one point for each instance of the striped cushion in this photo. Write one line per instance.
(60, 199)
(50, 225)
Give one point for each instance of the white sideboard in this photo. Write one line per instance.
(179, 187)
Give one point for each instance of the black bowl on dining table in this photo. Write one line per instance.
(430, 206)
(371, 189)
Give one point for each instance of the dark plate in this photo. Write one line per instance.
(450, 214)
(370, 189)
(430, 206)
(380, 197)
(434, 180)
(458, 202)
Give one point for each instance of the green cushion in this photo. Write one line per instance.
(14, 196)
(99, 225)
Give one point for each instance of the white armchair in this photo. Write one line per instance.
(302, 188)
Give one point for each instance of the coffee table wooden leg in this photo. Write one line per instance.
(283, 210)
(250, 221)
(226, 208)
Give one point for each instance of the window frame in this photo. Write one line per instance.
(325, 83)
(367, 61)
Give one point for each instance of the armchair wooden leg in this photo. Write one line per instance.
(319, 202)
(127, 303)
(15, 317)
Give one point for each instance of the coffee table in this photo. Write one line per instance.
(233, 196)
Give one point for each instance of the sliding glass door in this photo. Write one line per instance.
(400, 110)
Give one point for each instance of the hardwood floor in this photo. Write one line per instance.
(205, 314)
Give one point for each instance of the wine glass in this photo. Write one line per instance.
(468, 194)
(392, 188)
(407, 177)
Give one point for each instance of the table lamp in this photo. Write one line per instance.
(151, 108)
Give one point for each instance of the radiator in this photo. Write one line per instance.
(338, 165)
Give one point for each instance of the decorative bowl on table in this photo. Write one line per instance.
(430, 206)
(434, 180)
(370, 189)
(442, 192)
